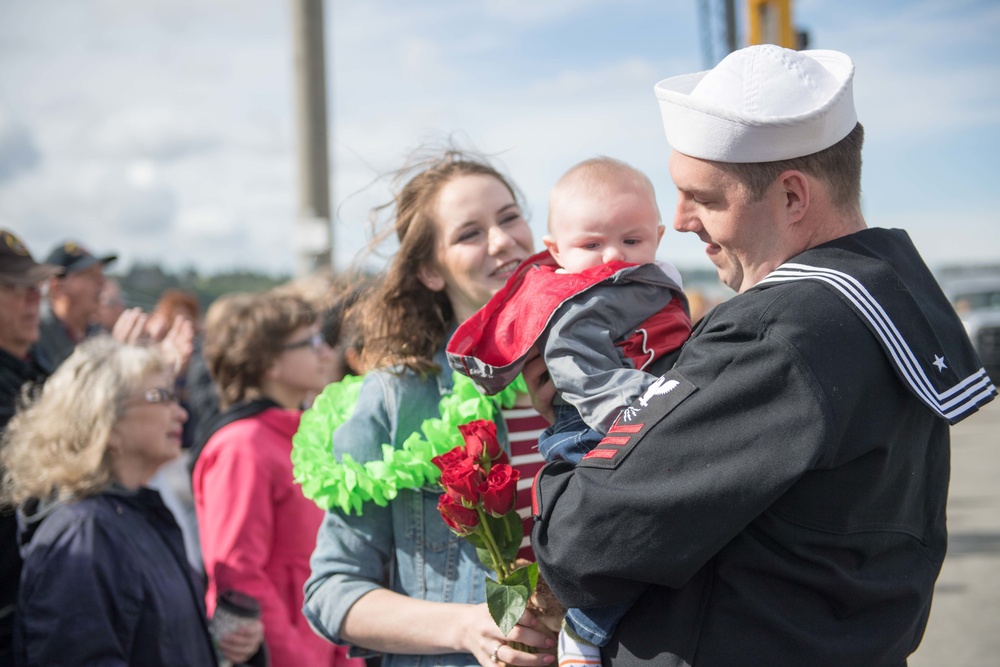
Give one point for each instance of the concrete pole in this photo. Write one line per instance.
(313, 230)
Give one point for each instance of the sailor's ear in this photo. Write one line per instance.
(797, 192)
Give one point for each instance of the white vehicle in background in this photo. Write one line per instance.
(977, 302)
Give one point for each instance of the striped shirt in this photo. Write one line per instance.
(524, 425)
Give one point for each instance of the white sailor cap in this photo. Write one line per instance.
(760, 104)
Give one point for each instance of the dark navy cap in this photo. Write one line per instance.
(73, 257)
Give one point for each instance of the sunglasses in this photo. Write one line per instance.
(315, 342)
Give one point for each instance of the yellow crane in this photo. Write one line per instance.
(767, 21)
(770, 22)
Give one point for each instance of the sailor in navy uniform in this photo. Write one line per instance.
(778, 497)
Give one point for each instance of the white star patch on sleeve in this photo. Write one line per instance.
(939, 362)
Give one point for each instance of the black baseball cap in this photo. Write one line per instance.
(73, 257)
(17, 266)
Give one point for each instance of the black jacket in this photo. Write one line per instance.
(15, 373)
(778, 497)
(106, 580)
(54, 342)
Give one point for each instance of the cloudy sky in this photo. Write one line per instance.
(164, 129)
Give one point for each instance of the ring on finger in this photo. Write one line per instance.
(493, 656)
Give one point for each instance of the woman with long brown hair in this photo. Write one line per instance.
(395, 579)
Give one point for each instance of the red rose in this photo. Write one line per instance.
(463, 520)
(449, 458)
(461, 479)
(481, 438)
(499, 491)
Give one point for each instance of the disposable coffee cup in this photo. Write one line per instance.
(233, 610)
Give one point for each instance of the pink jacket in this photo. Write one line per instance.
(258, 531)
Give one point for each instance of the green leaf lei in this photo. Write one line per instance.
(348, 485)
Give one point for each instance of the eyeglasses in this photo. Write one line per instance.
(316, 342)
(158, 395)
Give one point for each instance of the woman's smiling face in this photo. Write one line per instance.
(482, 237)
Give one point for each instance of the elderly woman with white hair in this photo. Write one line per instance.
(105, 577)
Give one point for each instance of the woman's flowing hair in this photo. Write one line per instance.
(57, 443)
(404, 322)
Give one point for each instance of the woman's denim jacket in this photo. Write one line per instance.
(405, 546)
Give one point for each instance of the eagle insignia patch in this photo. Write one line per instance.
(635, 421)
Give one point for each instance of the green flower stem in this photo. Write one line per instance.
(522, 647)
(491, 545)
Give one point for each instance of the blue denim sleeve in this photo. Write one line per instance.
(352, 552)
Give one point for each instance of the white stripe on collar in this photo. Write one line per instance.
(964, 396)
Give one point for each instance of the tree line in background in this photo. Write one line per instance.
(142, 284)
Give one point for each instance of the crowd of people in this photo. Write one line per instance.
(762, 485)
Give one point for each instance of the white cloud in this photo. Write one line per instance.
(18, 152)
(207, 224)
(160, 133)
(142, 174)
(179, 114)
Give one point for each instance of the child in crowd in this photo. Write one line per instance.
(607, 319)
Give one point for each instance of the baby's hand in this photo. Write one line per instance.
(544, 604)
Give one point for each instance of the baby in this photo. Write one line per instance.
(607, 319)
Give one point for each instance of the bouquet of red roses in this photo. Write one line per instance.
(480, 489)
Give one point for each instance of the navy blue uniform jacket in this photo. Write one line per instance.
(778, 497)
